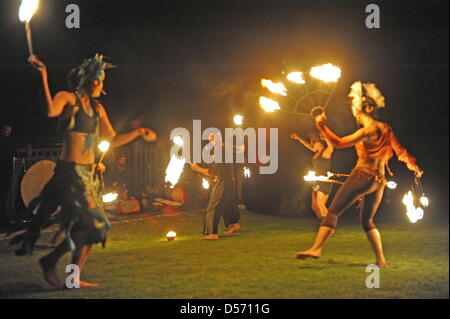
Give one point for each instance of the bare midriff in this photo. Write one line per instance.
(74, 149)
(373, 165)
(367, 163)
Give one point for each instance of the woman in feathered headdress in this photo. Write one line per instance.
(375, 144)
(73, 188)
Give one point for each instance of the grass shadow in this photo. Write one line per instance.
(17, 289)
(330, 262)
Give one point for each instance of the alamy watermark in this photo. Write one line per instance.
(73, 19)
(373, 280)
(224, 150)
(73, 277)
(373, 19)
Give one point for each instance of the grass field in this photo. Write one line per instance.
(257, 262)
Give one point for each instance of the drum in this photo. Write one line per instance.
(35, 179)
(178, 194)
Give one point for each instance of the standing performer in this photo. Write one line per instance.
(222, 199)
(322, 165)
(72, 187)
(375, 144)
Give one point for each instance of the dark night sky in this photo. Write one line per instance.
(184, 60)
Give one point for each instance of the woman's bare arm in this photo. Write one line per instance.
(294, 136)
(107, 131)
(55, 106)
(342, 142)
(404, 156)
(195, 167)
(339, 142)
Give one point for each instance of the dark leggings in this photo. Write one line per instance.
(359, 184)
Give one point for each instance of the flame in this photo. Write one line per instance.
(238, 119)
(424, 201)
(178, 140)
(110, 197)
(174, 170)
(326, 73)
(414, 213)
(104, 146)
(247, 172)
(27, 9)
(311, 177)
(277, 88)
(268, 105)
(205, 183)
(171, 234)
(296, 77)
(391, 185)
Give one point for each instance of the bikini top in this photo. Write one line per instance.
(81, 122)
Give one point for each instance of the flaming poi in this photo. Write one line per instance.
(277, 88)
(415, 202)
(326, 73)
(296, 77)
(414, 213)
(238, 119)
(269, 105)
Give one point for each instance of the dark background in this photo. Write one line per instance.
(185, 60)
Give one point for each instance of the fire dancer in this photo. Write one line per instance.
(222, 199)
(72, 187)
(323, 150)
(375, 143)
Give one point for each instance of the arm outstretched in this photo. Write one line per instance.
(341, 142)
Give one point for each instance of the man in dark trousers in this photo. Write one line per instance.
(222, 200)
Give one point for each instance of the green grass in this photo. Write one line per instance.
(257, 262)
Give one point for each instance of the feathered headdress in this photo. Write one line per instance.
(92, 69)
(359, 91)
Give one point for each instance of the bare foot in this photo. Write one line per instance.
(49, 271)
(87, 284)
(233, 228)
(382, 264)
(82, 284)
(308, 253)
(211, 237)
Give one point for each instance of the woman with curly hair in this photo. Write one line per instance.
(375, 143)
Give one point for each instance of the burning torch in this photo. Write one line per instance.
(103, 147)
(26, 12)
